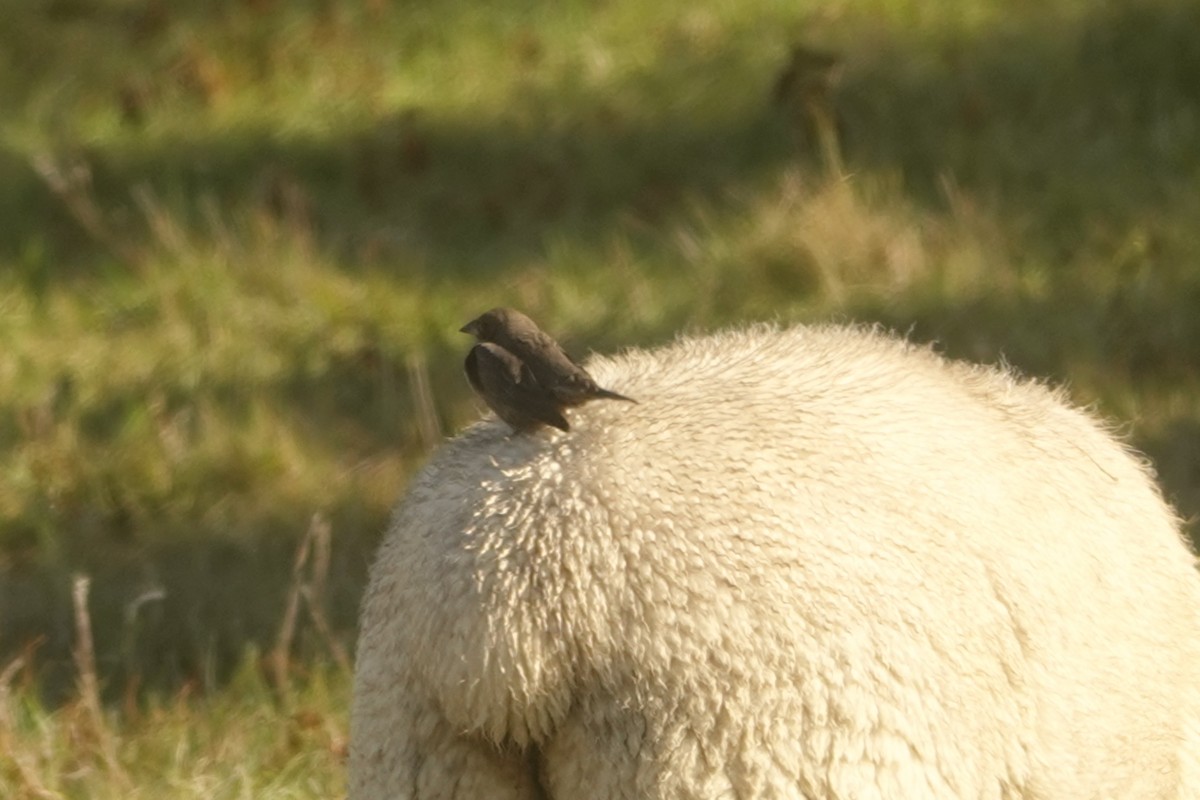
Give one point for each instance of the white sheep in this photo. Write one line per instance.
(812, 563)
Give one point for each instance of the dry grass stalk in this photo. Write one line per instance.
(72, 185)
(280, 657)
(31, 783)
(427, 420)
(313, 558)
(321, 622)
(164, 229)
(89, 686)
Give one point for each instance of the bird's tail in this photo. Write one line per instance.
(605, 394)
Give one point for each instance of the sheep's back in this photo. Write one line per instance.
(816, 560)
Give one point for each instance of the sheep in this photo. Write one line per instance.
(814, 562)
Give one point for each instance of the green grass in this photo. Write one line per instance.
(233, 235)
(238, 743)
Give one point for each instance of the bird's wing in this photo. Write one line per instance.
(471, 367)
(526, 393)
(510, 389)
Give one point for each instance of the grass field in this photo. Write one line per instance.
(237, 239)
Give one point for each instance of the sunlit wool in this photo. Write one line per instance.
(812, 563)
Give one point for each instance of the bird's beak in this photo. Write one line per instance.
(471, 327)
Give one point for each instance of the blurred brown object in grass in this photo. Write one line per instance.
(807, 84)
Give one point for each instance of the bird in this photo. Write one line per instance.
(510, 389)
(809, 74)
(559, 375)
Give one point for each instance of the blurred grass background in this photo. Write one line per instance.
(237, 238)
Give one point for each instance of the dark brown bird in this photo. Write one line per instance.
(809, 75)
(509, 389)
(566, 381)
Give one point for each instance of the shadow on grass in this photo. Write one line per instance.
(1064, 127)
(1063, 132)
(182, 609)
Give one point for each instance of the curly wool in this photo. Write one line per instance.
(812, 563)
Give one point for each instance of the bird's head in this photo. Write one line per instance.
(488, 327)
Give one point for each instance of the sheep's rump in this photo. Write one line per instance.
(810, 563)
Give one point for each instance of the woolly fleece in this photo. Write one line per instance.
(811, 563)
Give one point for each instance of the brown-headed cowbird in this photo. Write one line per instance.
(557, 372)
(510, 389)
